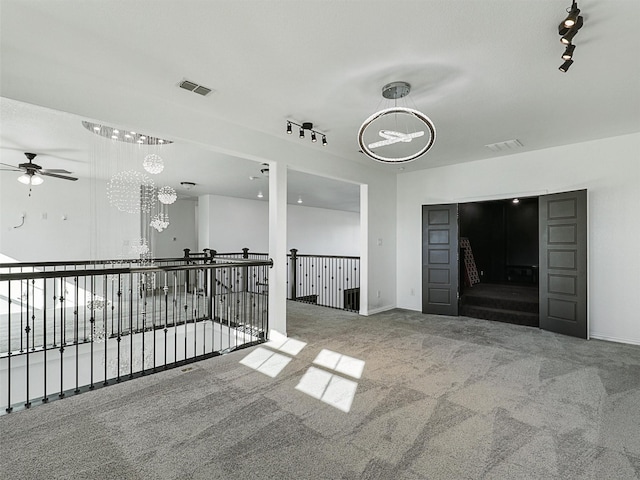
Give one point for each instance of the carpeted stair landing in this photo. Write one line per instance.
(517, 304)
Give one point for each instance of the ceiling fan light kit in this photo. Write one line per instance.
(396, 134)
(30, 179)
(32, 173)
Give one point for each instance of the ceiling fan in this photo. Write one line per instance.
(33, 173)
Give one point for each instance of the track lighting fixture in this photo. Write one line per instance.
(565, 66)
(307, 126)
(572, 18)
(568, 29)
(568, 52)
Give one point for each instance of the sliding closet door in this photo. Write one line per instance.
(440, 259)
(563, 263)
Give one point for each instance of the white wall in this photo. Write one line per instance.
(181, 232)
(91, 229)
(235, 223)
(231, 224)
(319, 231)
(609, 169)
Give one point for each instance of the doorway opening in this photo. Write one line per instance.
(499, 246)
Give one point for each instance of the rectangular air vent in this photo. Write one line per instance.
(505, 146)
(195, 88)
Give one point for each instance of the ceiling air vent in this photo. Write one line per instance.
(505, 146)
(195, 88)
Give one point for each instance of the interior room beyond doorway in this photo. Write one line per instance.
(499, 260)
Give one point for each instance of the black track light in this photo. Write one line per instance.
(567, 37)
(568, 29)
(565, 66)
(572, 18)
(568, 52)
(306, 126)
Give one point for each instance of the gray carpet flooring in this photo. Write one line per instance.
(437, 398)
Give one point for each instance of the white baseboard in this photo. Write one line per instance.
(609, 338)
(378, 310)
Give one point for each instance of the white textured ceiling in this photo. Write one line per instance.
(483, 71)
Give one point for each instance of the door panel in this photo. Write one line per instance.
(440, 259)
(563, 263)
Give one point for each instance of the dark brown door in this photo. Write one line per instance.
(440, 259)
(563, 263)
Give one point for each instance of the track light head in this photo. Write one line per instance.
(572, 18)
(313, 137)
(571, 32)
(301, 133)
(565, 66)
(568, 52)
(289, 128)
(324, 141)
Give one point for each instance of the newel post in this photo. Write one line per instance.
(245, 271)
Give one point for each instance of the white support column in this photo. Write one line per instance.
(364, 250)
(278, 247)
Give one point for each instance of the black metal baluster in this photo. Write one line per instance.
(119, 323)
(84, 310)
(194, 307)
(92, 324)
(105, 315)
(166, 316)
(9, 318)
(144, 320)
(153, 322)
(131, 324)
(45, 399)
(76, 320)
(33, 314)
(174, 308)
(27, 329)
(229, 297)
(55, 298)
(62, 328)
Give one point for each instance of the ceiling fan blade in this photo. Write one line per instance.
(64, 177)
(14, 169)
(17, 169)
(55, 170)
